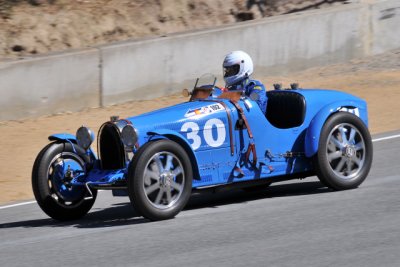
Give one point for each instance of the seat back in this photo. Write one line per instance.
(285, 109)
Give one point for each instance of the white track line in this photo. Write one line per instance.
(386, 138)
(16, 205)
(31, 202)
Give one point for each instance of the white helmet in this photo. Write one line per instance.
(237, 66)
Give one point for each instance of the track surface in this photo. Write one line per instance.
(298, 223)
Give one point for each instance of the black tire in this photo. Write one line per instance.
(61, 206)
(345, 150)
(160, 180)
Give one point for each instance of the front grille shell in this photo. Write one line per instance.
(112, 153)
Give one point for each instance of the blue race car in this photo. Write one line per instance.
(215, 139)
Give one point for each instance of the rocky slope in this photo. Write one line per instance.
(30, 27)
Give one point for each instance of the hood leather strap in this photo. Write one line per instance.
(252, 147)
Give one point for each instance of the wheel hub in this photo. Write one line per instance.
(62, 170)
(166, 178)
(349, 152)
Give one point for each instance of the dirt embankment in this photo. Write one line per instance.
(29, 27)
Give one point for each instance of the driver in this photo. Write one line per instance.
(238, 67)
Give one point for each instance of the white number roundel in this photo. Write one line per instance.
(194, 128)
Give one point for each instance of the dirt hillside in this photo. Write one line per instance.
(29, 27)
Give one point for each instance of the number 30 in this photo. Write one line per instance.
(208, 137)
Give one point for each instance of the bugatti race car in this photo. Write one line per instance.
(216, 139)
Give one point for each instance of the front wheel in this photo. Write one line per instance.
(54, 167)
(160, 180)
(344, 155)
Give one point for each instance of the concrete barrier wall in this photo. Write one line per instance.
(385, 21)
(147, 68)
(50, 84)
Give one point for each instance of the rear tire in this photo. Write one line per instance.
(160, 180)
(54, 198)
(344, 156)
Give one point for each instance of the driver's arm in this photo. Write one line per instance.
(259, 89)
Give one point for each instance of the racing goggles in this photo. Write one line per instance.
(231, 70)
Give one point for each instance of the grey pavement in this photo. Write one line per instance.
(296, 223)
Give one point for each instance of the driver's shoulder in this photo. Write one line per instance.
(256, 85)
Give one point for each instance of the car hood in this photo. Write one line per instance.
(173, 117)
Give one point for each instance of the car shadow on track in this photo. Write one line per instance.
(209, 200)
(120, 214)
(115, 215)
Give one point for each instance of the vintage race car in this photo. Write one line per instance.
(213, 140)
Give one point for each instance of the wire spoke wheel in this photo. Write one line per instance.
(54, 169)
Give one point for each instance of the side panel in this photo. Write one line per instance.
(205, 134)
(359, 108)
(272, 146)
(209, 138)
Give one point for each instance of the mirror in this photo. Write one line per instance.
(185, 92)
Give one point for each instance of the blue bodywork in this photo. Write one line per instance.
(208, 130)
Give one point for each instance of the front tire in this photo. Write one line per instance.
(344, 156)
(58, 200)
(160, 180)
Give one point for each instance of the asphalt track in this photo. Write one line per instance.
(297, 223)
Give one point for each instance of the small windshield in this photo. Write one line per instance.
(204, 87)
(205, 80)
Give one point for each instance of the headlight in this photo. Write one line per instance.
(129, 136)
(84, 137)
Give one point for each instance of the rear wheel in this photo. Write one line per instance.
(344, 155)
(54, 167)
(160, 180)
